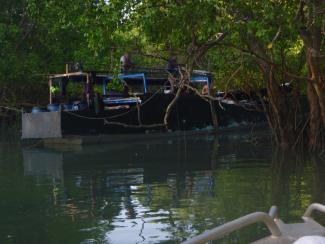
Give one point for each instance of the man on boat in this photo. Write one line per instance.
(126, 62)
(205, 90)
(172, 65)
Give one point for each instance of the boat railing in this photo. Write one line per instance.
(312, 207)
(280, 231)
(237, 224)
(273, 212)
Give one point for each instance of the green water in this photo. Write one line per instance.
(150, 191)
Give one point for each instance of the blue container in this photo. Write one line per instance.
(82, 106)
(53, 107)
(79, 106)
(37, 110)
(68, 107)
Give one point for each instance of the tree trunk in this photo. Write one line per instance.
(315, 118)
(280, 119)
(214, 118)
(316, 100)
(279, 109)
(311, 30)
(314, 65)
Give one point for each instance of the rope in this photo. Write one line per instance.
(221, 105)
(117, 115)
(135, 126)
(117, 123)
(84, 117)
(96, 118)
(12, 108)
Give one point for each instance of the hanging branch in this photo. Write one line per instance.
(254, 55)
(179, 86)
(139, 113)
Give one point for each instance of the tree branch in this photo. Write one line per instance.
(254, 55)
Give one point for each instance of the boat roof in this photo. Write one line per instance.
(154, 76)
(149, 72)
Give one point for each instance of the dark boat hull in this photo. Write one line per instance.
(190, 112)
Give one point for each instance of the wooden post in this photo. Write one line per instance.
(87, 90)
(66, 68)
(50, 86)
(214, 115)
(212, 108)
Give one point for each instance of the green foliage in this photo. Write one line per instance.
(75, 90)
(38, 37)
(54, 89)
(115, 85)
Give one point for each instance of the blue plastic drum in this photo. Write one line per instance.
(37, 110)
(79, 106)
(53, 107)
(68, 107)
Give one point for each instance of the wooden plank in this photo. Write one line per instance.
(79, 73)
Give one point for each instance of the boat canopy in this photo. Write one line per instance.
(145, 81)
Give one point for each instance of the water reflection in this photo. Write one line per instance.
(164, 190)
(39, 162)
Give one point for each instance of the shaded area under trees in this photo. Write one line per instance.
(248, 45)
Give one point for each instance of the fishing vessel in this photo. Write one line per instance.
(99, 103)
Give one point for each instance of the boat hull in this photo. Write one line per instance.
(190, 112)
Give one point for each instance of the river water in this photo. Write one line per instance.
(159, 191)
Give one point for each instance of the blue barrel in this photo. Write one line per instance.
(79, 105)
(82, 106)
(68, 107)
(53, 107)
(37, 110)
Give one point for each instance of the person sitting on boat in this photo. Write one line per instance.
(172, 65)
(126, 62)
(205, 90)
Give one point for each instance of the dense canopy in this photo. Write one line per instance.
(246, 44)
